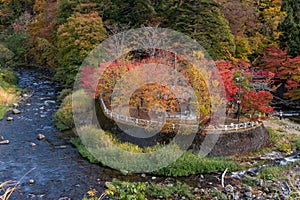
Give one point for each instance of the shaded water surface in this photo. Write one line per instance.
(57, 169)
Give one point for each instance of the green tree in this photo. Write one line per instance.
(290, 27)
(75, 39)
(21, 55)
(203, 21)
(132, 12)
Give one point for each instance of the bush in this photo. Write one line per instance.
(63, 118)
(6, 56)
(119, 190)
(297, 143)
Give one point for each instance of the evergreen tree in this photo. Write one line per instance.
(290, 27)
(129, 12)
(202, 20)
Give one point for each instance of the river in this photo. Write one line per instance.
(58, 170)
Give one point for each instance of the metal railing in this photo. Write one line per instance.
(153, 123)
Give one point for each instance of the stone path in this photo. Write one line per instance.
(285, 124)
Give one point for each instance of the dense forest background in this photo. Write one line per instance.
(262, 34)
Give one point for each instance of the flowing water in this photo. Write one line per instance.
(55, 166)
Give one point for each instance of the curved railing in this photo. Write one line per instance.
(143, 122)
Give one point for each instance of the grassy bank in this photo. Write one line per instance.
(8, 90)
(111, 152)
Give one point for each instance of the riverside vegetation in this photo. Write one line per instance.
(8, 90)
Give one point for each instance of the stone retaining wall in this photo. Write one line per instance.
(229, 143)
(236, 142)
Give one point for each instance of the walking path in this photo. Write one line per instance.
(285, 125)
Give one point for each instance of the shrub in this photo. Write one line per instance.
(119, 190)
(63, 118)
(297, 143)
(6, 56)
(286, 147)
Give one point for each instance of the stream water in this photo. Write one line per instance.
(58, 170)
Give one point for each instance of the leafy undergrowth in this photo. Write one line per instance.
(121, 190)
(8, 90)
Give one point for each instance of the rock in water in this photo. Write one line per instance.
(10, 118)
(4, 142)
(16, 111)
(32, 144)
(40, 137)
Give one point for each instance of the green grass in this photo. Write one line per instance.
(8, 90)
(122, 190)
(275, 172)
(297, 144)
(190, 163)
(3, 110)
(102, 147)
(169, 191)
(281, 130)
(280, 122)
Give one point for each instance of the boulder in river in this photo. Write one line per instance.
(32, 144)
(10, 118)
(16, 111)
(4, 142)
(40, 137)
